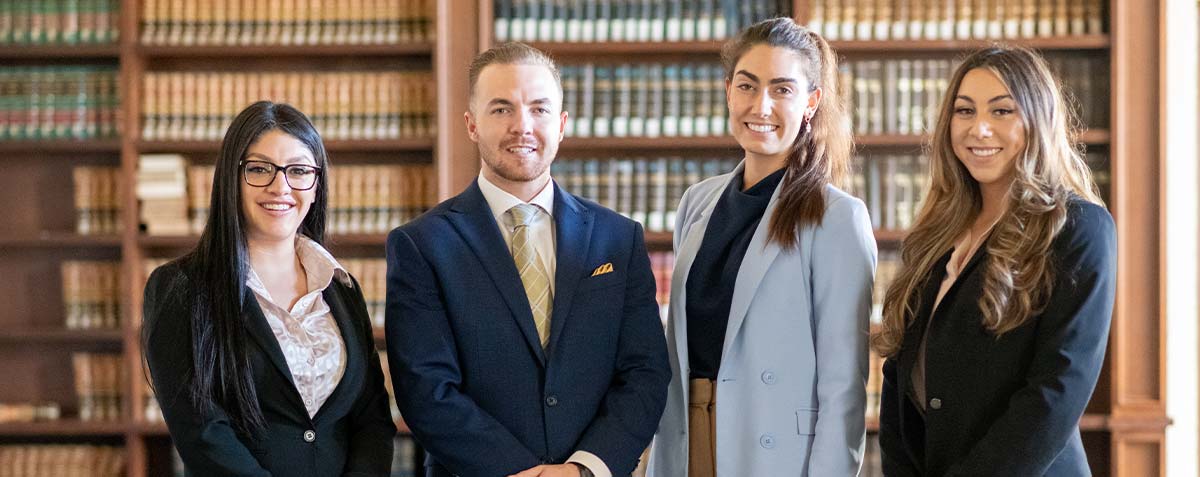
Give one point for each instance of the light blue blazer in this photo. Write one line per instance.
(791, 388)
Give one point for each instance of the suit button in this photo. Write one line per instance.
(551, 400)
(768, 377)
(310, 436)
(767, 441)
(935, 403)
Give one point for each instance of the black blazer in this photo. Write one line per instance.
(1005, 406)
(351, 434)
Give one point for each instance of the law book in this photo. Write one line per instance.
(656, 207)
(623, 101)
(865, 24)
(587, 91)
(816, 17)
(849, 20)
(689, 86)
(705, 20)
(875, 89)
(891, 91)
(638, 96)
(671, 100)
(703, 112)
(603, 95)
(655, 99)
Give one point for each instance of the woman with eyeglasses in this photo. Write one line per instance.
(258, 342)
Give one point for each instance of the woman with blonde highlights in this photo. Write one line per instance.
(995, 327)
(771, 295)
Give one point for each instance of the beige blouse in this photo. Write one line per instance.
(307, 333)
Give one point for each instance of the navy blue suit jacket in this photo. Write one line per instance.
(471, 378)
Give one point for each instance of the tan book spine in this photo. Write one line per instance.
(395, 12)
(370, 105)
(384, 221)
(106, 198)
(850, 19)
(358, 104)
(866, 19)
(1094, 12)
(280, 16)
(1062, 23)
(943, 11)
(236, 27)
(204, 23)
(1045, 18)
(191, 17)
(218, 31)
(150, 21)
(996, 19)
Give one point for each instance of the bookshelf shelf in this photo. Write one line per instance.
(1077, 42)
(610, 144)
(568, 50)
(60, 239)
(100, 51)
(65, 427)
(354, 145)
(257, 51)
(60, 335)
(60, 146)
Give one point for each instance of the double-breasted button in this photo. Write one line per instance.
(767, 441)
(551, 400)
(768, 377)
(935, 403)
(310, 436)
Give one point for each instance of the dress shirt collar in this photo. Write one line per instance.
(500, 201)
(319, 265)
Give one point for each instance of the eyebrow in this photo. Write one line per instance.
(505, 102)
(993, 100)
(755, 79)
(288, 161)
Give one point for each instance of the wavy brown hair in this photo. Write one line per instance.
(821, 153)
(1018, 277)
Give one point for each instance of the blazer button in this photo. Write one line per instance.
(551, 400)
(767, 441)
(768, 377)
(310, 436)
(935, 403)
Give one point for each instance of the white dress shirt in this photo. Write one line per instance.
(307, 333)
(541, 232)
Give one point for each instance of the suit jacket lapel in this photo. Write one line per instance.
(573, 234)
(759, 256)
(474, 221)
(260, 331)
(343, 315)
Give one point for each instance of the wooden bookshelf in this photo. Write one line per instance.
(1124, 425)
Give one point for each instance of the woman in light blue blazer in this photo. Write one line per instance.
(771, 293)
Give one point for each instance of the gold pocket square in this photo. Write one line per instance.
(601, 270)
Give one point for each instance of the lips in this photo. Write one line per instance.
(761, 128)
(521, 148)
(277, 208)
(984, 151)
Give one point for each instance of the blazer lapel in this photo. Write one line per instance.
(474, 221)
(343, 316)
(759, 256)
(260, 331)
(573, 236)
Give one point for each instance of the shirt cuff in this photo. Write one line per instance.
(593, 463)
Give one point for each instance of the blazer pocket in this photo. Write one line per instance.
(806, 422)
(601, 282)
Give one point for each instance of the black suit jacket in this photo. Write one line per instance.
(471, 377)
(1011, 405)
(352, 432)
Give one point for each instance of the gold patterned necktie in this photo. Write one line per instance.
(533, 275)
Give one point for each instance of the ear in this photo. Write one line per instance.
(728, 95)
(562, 126)
(472, 131)
(814, 101)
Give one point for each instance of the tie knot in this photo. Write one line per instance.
(523, 214)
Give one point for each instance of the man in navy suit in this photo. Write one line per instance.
(522, 328)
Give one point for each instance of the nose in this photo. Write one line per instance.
(981, 129)
(522, 123)
(280, 185)
(762, 104)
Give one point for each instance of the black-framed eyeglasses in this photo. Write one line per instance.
(297, 176)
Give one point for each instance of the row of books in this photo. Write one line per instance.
(97, 199)
(645, 99)
(955, 19)
(902, 96)
(893, 187)
(61, 460)
(42, 22)
(629, 20)
(286, 22)
(646, 190)
(162, 194)
(57, 102)
(371, 274)
(30, 411)
(99, 385)
(363, 199)
(343, 105)
(91, 294)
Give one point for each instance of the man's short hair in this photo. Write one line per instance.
(512, 53)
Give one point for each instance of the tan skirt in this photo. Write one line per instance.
(702, 428)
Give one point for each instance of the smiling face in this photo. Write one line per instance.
(769, 99)
(987, 131)
(517, 121)
(275, 212)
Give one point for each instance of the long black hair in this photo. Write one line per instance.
(217, 268)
